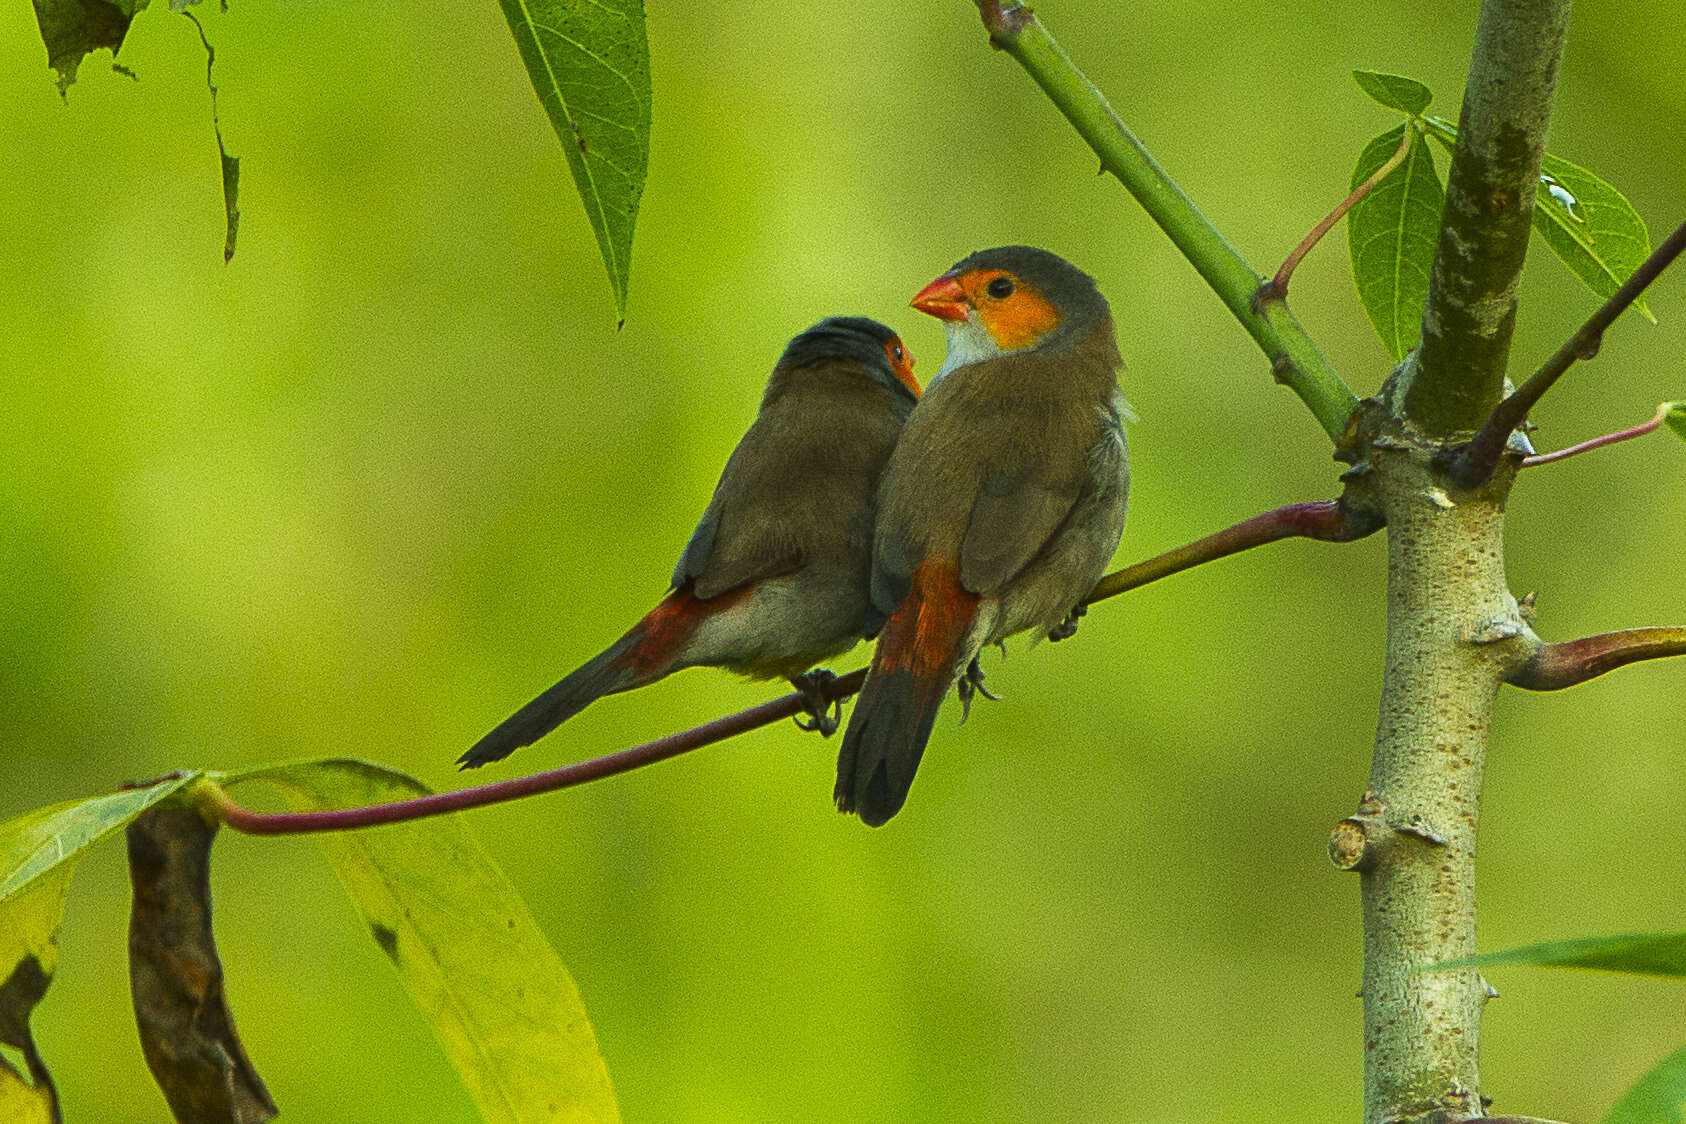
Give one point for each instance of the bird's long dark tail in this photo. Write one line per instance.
(915, 663)
(650, 650)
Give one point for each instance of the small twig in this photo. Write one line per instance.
(1628, 434)
(1555, 666)
(567, 776)
(1294, 358)
(1476, 462)
(1277, 287)
(1326, 520)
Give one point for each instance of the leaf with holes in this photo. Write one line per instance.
(590, 63)
(72, 29)
(1657, 1098)
(1395, 91)
(475, 961)
(1390, 237)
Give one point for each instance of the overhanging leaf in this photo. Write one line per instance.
(72, 28)
(1675, 418)
(230, 164)
(1394, 91)
(1588, 224)
(1390, 237)
(475, 961)
(175, 975)
(590, 63)
(1637, 954)
(1657, 1098)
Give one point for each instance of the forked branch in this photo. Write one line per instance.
(1476, 462)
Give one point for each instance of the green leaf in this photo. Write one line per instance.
(1675, 418)
(590, 63)
(73, 28)
(1637, 954)
(36, 843)
(1390, 237)
(1588, 224)
(1395, 91)
(1657, 1098)
(1591, 227)
(475, 961)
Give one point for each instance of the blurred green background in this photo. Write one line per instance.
(369, 487)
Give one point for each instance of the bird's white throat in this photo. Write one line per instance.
(968, 342)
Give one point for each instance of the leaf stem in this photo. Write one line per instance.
(1555, 666)
(551, 780)
(1326, 520)
(1277, 287)
(1294, 358)
(1628, 434)
(1476, 462)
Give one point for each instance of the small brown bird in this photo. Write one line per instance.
(1000, 507)
(776, 574)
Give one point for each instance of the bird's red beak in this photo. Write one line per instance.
(943, 298)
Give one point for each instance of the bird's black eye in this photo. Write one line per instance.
(1000, 288)
(898, 353)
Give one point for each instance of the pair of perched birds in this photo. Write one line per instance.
(855, 507)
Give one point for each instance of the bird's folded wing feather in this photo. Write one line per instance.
(745, 535)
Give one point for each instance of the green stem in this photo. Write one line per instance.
(1295, 360)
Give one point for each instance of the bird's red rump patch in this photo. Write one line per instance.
(924, 633)
(670, 625)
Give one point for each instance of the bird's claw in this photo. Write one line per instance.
(1067, 628)
(971, 684)
(825, 715)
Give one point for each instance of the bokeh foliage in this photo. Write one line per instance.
(369, 487)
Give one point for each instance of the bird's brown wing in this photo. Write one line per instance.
(754, 528)
(1015, 514)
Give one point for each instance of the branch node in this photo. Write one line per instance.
(1357, 471)
(1555, 666)
(1415, 825)
(1283, 368)
(1350, 842)
(1495, 630)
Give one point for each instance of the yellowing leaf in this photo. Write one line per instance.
(475, 961)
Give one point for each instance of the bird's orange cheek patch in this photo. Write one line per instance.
(1020, 320)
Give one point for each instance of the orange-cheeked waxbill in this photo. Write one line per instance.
(1000, 507)
(775, 577)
